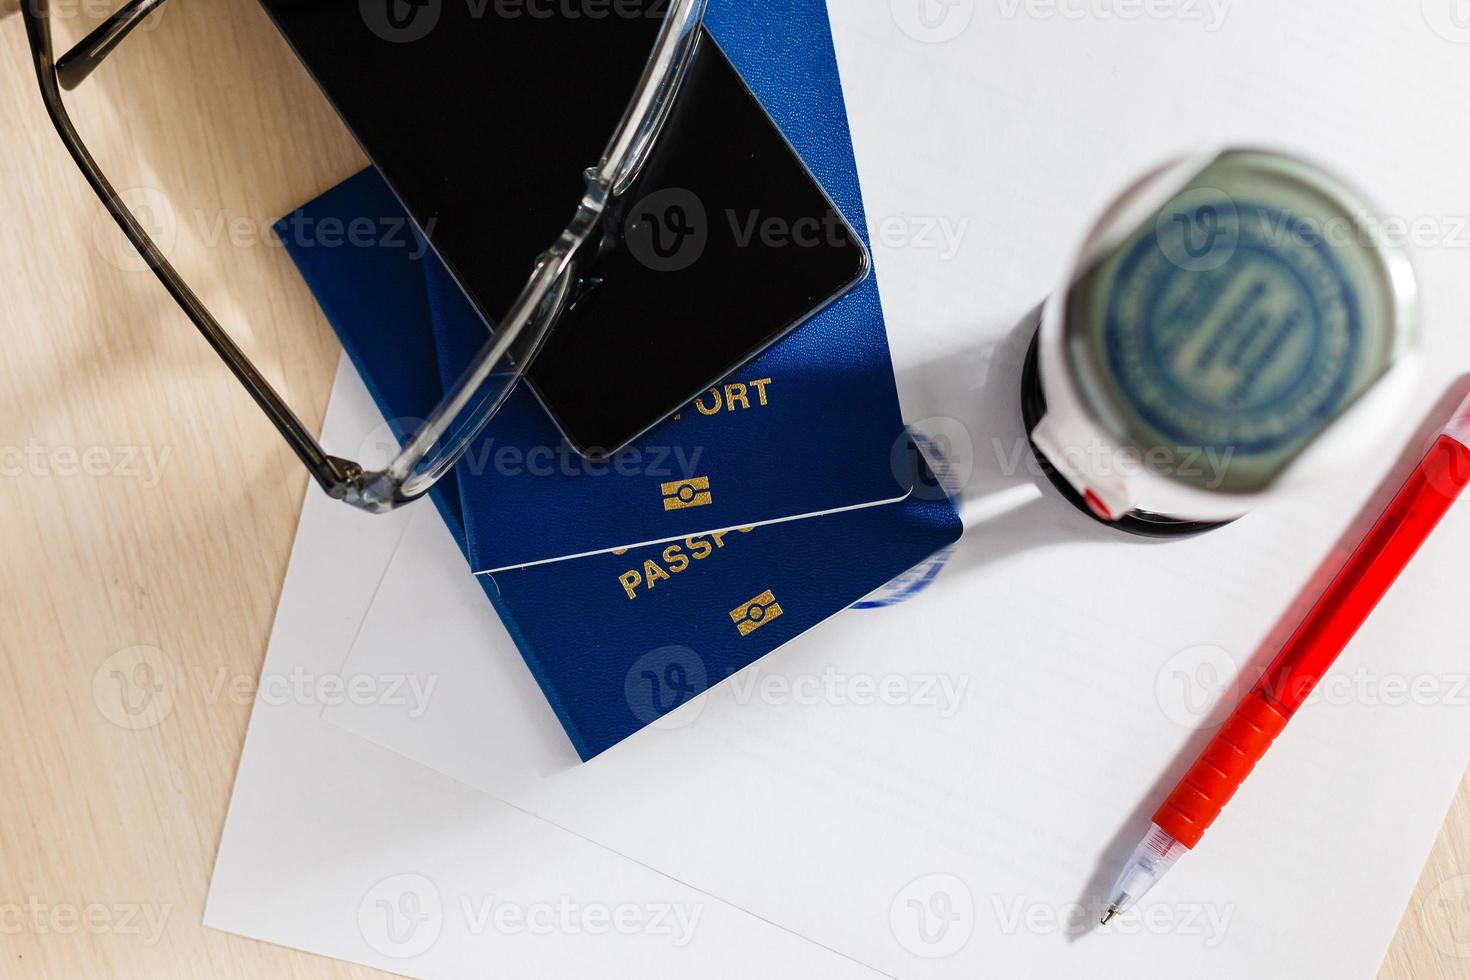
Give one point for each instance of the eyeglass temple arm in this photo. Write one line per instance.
(336, 476)
(73, 67)
(341, 479)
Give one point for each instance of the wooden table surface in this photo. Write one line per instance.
(147, 503)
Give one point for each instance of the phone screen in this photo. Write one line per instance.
(482, 116)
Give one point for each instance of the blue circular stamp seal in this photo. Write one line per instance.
(1232, 324)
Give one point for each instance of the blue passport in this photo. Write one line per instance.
(713, 466)
(619, 638)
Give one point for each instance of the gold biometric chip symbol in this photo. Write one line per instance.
(684, 494)
(756, 613)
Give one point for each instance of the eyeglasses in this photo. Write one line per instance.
(465, 410)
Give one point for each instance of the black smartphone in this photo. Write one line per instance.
(482, 118)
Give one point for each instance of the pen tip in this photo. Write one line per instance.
(1109, 914)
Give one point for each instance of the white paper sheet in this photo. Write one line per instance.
(972, 833)
(338, 847)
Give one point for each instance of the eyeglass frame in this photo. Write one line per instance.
(535, 311)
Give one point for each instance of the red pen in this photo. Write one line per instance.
(1362, 583)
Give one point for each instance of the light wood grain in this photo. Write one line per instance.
(210, 110)
(211, 107)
